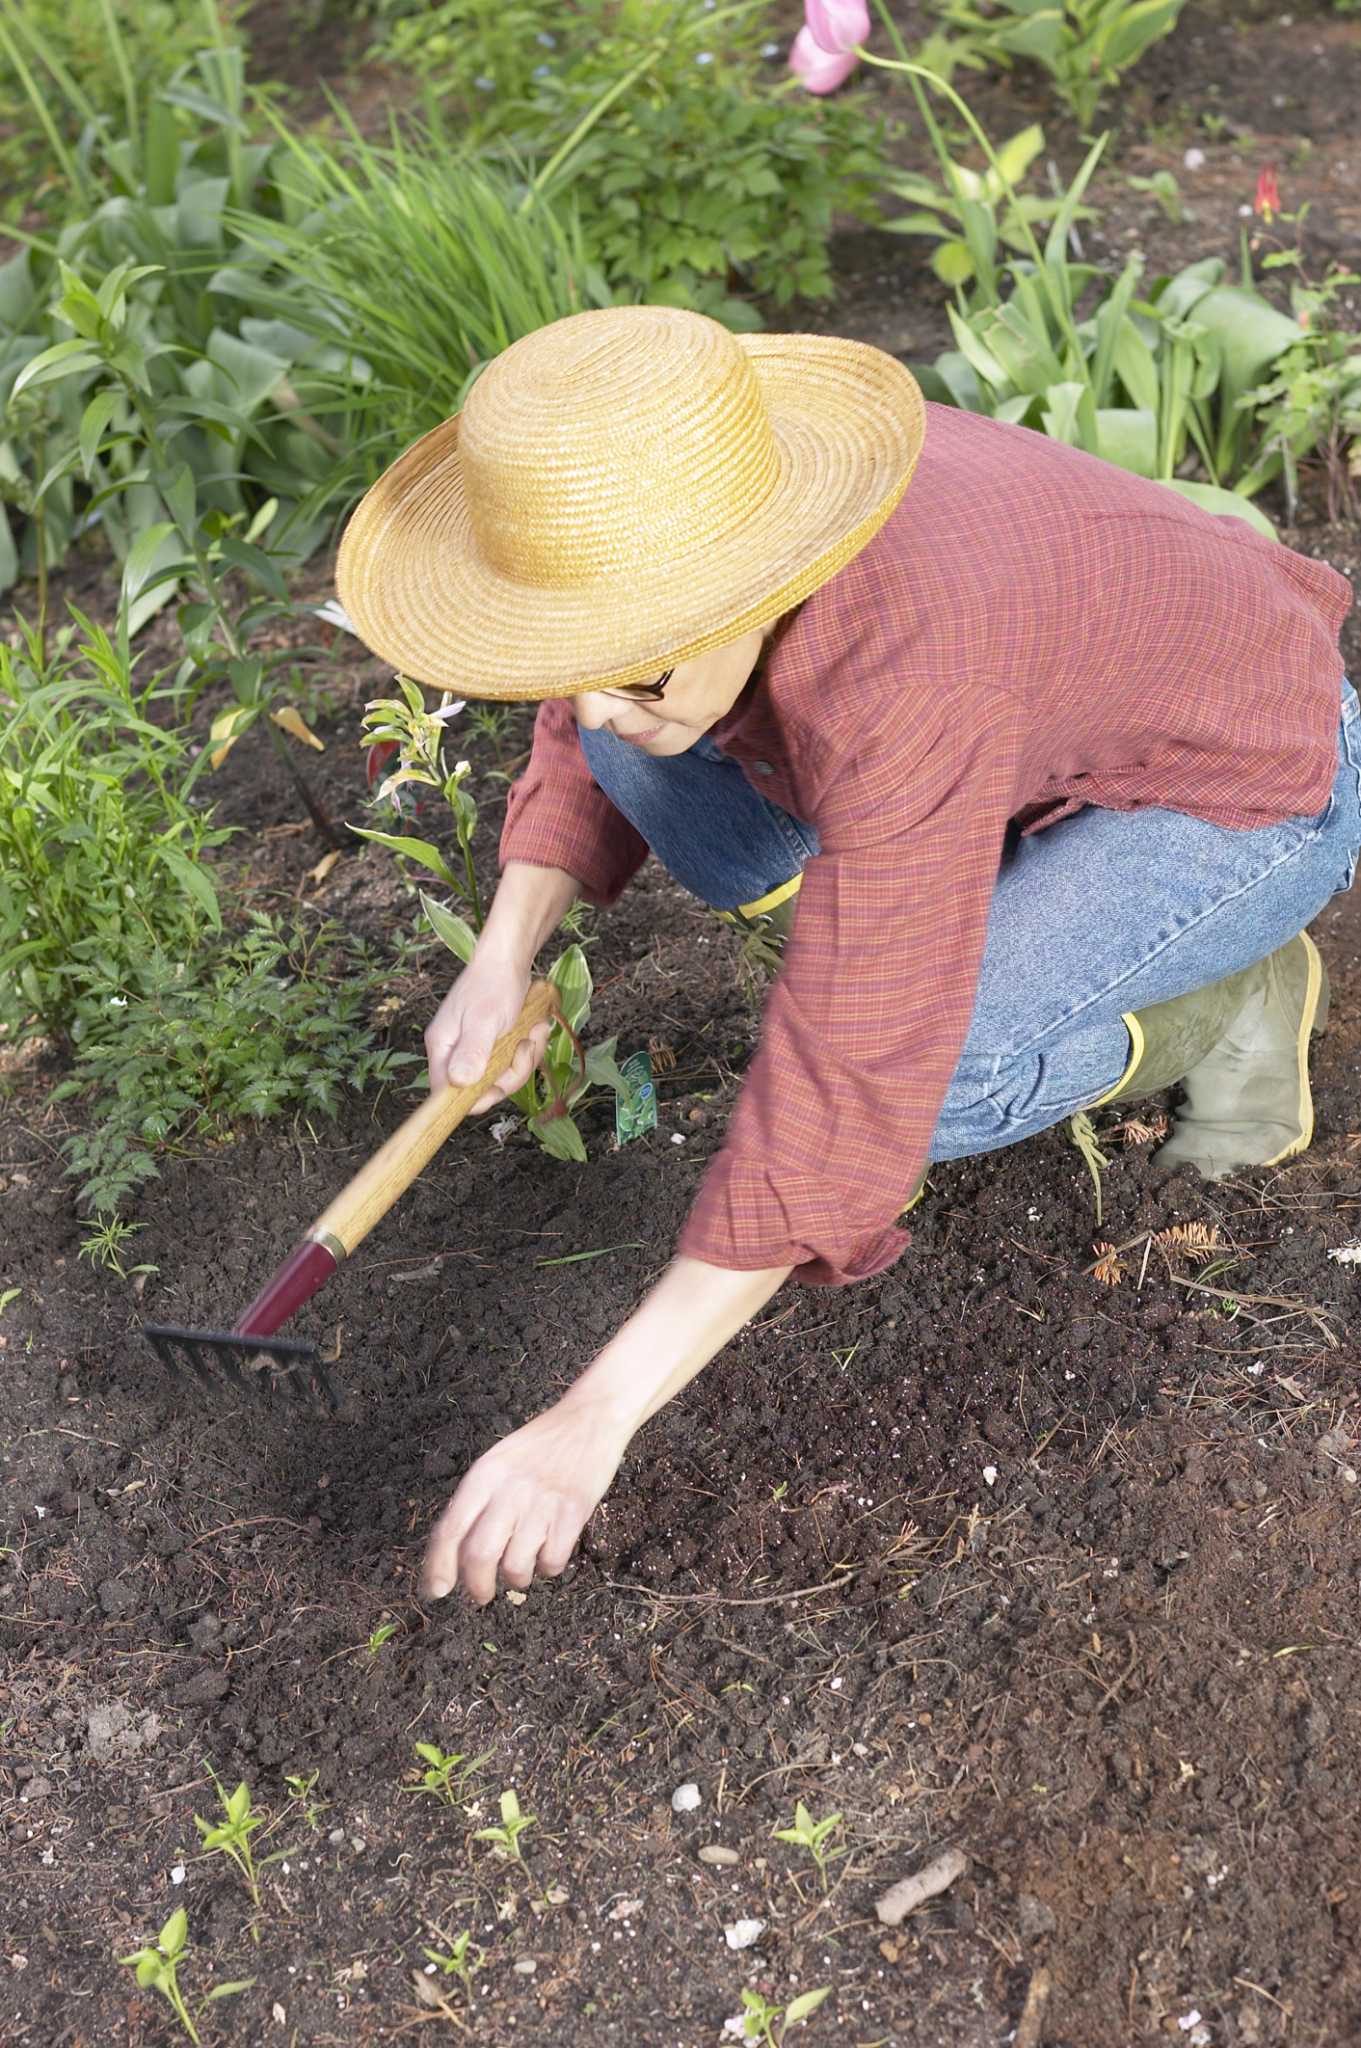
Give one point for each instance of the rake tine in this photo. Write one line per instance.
(225, 1354)
(168, 1353)
(327, 1385)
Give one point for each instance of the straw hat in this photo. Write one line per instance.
(624, 490)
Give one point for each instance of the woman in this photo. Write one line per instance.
(809, 688)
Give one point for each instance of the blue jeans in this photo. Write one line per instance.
(1102, 913)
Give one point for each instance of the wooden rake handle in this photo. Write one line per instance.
(365, 1200)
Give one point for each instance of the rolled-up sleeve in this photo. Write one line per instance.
(557, 816)
(864, 1027)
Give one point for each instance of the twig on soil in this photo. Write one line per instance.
(904, 1897)
(1113, 1688)
(1027, 2033)
(720, 1600)
(1303, 1308)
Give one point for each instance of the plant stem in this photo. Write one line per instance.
(316, 810)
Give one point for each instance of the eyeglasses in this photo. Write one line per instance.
(651, 692)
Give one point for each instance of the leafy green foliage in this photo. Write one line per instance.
(454, 1961)
(231, 1836)
(102, 890)
(548, 1097)
(1310, 408)
(760, 2018)
(273, 1021)
(810, 1834)
(446, 1775)
(506, 1839)
(157, 1969)
(974, 212)
(694, 176)
(1084, 45)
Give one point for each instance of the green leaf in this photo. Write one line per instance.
(93, 425)
(419, 850)
(807, 2002)
(229, 1990)
(175, 1933)
(256, 563)
(455, 931)
(952, 263)
(1232, 503)
(571, 977)
(1127, 435)
(66, 359)
(192, 880)
(141, 559)
(182, 499)
(560, 1138)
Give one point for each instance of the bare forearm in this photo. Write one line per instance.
(529, 905)
(692, 1312)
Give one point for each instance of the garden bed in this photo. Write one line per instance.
(984, 1552)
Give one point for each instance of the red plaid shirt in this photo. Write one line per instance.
(1031, 632)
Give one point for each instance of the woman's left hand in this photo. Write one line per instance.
(522, 1506)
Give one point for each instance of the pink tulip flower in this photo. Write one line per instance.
(837, 26)
(819, 69)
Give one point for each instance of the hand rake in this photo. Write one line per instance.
(250, 1358)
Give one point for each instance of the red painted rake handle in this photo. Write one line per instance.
(366, 1199)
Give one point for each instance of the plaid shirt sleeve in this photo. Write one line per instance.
(557, 816)
(864, 1027)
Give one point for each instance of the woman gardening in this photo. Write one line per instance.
(1039, 770)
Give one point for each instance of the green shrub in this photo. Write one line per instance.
(1084, 45)
(275, 1020)
(697, 176)
(100, 835)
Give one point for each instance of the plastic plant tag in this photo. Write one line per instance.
(635, 1112)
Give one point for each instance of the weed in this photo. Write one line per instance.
(454, 1961)
(231, 1836)
(158, 1970)
(103, 1246)
(812, 1835)
(445, 1777)
(382, 1634)
(505, 1840)
(760, 2018)
(301, 1788)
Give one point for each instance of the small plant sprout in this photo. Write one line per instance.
(158, 1970)
(454, 1961)
(759, 2019)
(381, 1634)
(301, 1788)
(231, 1835)
(811, 1834)
(506, 1839)
(445, 1776)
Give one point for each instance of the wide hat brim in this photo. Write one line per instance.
(848, 422)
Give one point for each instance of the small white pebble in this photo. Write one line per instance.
(742, 1933)
(990, 1475)
(678, 1137)
(1189, 2020)
(685, 1798)
(177, 1873)
(1194, 159)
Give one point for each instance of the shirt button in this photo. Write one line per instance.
(763, 767)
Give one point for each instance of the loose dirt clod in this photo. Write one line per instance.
(910, 1892)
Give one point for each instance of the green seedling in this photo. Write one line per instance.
(7, 1295)
(760, 2018)
(811, 1834)
(1165, 189)
(104, 1247)
(454, 1962)
(445, 1776)
(506, 1839)
(301, 1788)
(231, 1836)
(158, 1970)
(381, 1634)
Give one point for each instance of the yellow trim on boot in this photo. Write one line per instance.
(1136, 1039)
(1308, 1012)
(773, 897)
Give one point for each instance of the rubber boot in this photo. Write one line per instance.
(1241, 1049)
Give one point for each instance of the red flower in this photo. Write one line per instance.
(1268, 200)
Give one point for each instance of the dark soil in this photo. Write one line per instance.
(983, 1553)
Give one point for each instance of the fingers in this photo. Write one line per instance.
(527, 1056)
(478, 1537)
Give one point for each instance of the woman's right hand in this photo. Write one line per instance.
(482, 1004)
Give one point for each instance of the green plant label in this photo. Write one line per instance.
(635, 1108)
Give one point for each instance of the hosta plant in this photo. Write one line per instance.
(1084, 45)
